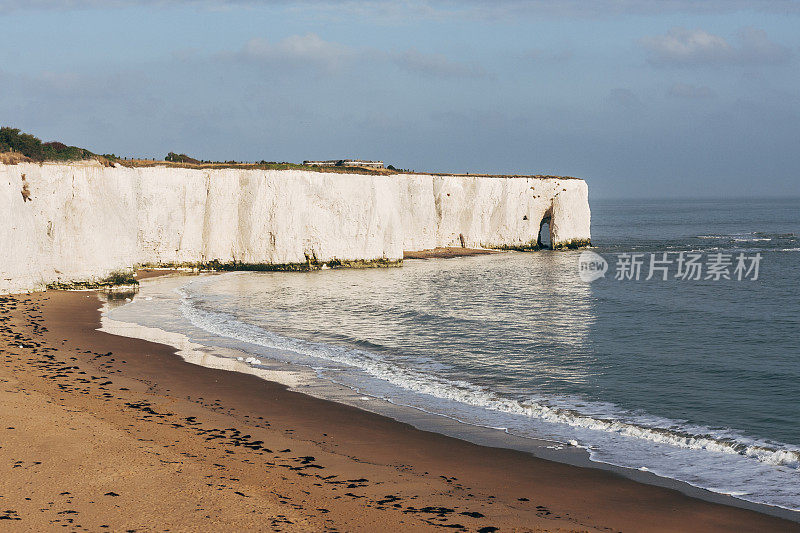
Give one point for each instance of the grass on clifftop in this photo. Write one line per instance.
(17, 147)
(179, 162)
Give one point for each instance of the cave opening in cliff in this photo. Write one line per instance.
(544, 239)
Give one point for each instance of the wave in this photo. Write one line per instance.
(753, 236)
(609, 420)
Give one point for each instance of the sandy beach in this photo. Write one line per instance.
(101, 432)
(447, 253)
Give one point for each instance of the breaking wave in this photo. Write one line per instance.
(605, 418)
(754, 236)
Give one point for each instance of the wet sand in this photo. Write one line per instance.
(447, 253)
(101, 432)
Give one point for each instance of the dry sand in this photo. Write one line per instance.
(107, 433)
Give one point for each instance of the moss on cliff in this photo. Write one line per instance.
(533, 246)
(573, 244)
(310, 264)
(120, 278)
(530, 246)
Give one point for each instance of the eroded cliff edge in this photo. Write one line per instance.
(79, 221)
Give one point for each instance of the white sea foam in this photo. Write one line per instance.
(754, 236)
(661, 431)
(713, 458)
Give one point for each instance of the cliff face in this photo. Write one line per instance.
(67, 222)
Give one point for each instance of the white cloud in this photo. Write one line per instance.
(311, 51)
(681, 46)
(685, 90)
(439, 8)
(300, 50)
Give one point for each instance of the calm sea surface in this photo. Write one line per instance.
(696, 380)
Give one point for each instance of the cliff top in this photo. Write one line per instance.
(18, 147)
(312, 168)
(14, 158)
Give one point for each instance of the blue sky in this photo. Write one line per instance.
(647, 98)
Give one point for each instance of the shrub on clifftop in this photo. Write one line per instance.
(12, 139)
(181, 158)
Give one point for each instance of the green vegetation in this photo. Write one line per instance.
(310, 264)
(534, 246)
(16, 146)
(260, 165)
(172, 157)
(118, 278)
(573, 244)
(525, 247)
(12, 139)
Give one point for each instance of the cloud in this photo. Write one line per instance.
(597, 9)
(757, 48)
(438, 8)
(685, 90)
(682, 46)
(685, 47)
(300, 50)
(311, 51)
(30, 5)
(436, 65)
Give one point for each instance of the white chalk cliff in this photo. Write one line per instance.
(67, 222)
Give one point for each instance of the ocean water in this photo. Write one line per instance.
(695, 380)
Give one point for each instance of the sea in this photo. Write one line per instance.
(684, 365)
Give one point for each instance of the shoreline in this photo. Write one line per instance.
(165, 412)
(448, 252)
(214, 352)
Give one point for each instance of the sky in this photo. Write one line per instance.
(642, 98)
